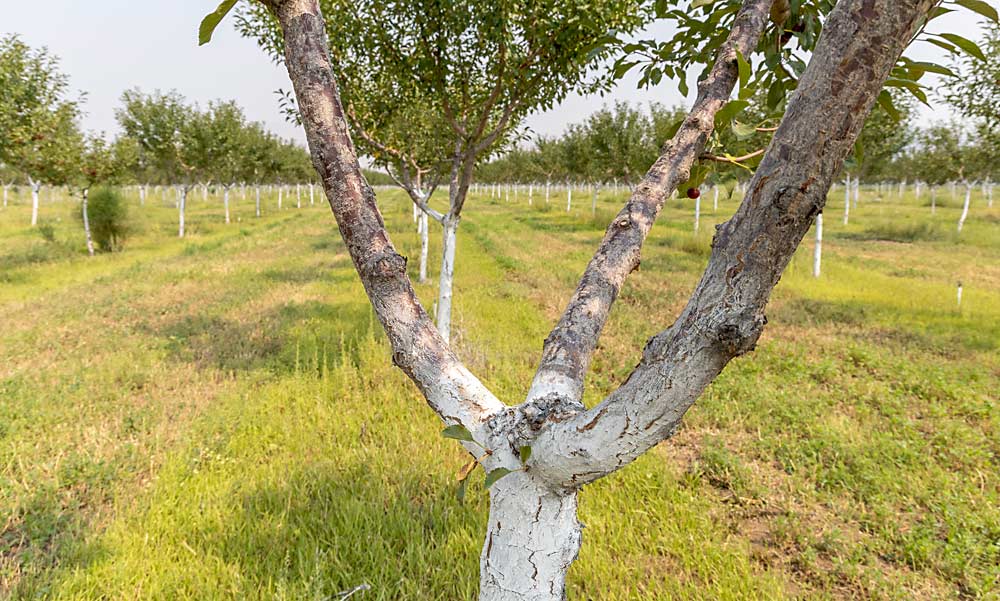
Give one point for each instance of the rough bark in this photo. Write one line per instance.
(568, 349)
(861, 41)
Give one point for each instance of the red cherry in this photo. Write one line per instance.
(694, 193)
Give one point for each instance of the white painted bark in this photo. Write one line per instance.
(818, 250)
(715, 199)
(697, 213)
(593, 202)
(958, 296)
(142, 196)
(547, 186)
(424, 246)
(298, 196)
(447, 277)
(36, 187)
(225, 201)
(933, 199)
(532, 537)
(256, 190)
(847, 200)
(569, 198)
(5, 188)
(965, 207)
(86, 223)
(280, 190)
(857, 190)
(310, 195)
(181, 205)
(531, 191)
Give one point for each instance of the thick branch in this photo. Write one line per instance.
(861, 41)
(568, 349)
(451, 390)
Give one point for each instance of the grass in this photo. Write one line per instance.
(218, 418)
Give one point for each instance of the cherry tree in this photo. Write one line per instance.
(540, 453)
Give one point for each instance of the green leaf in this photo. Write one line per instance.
(212, 20)
(728, 112)
(743, 130)
(980, 7)
(460, 493)
(457, 432)
(745, 72)
(525, 454)
(885, 101)
(965, 44)
(859, 151)
(492, 477)
(700, 3)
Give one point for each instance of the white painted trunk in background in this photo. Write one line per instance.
(86, 224)
(569, 198)
(857, 191)
(531, 191)
(532, 537)
(847, 200)
(280, 190)
(181, 204)
(310, 195)
(965, 207)
(142, 196)
(933, 199)
(593, 202)
(818, 250)
(298, 196)
(256, 190)
(715, 199)
(547, 186)
(36, 187)
(225, 202)
(697, 213)
(424, 245)
(5, 187)
(450, 229)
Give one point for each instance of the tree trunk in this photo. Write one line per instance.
(424, 245)
(447, 276)
(5, 187)
(256, 190)
(181, 204)
(225, 201)
(142, 196)
(818, 251)
(298, 196)
(847, 199)
(593, 202)
(36, 187)
(697, 213)
(86, 223)
(715, 199)
(280, 189)
(569, 198)
(857, 190)
(310, 195)
(933, 199)
(531, 191)
(965, 207)
(532, 538)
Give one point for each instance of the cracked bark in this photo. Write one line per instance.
(533, 534)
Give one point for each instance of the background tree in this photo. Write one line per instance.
(38, 128)
(477, 68)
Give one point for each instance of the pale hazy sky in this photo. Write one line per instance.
(108, 46)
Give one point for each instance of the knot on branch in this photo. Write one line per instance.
(384, 264)
(739, 334)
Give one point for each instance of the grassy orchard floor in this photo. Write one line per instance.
(218, 418)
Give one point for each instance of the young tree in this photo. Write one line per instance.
(96, 165)
(161, 126)
(227, 134)
(38, 126)
(476, 68)
(540, 453)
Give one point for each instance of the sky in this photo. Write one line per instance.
(108, 46)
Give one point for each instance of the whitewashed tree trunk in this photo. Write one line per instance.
(933, 199)
(965, 207)
(532, 538)
(857, 190)
(36, 187)
(569, 198)
(847, 200)
(5, 188)
(86, 223)
(181, 205)
(593, 201)
(310, 195)
(424, 246)
(715, 199)
(958, 295)
(447, 277)
(697, 213)
(225, 201)
(298, 196)
(280, 190)
(256, 190)
(547, 186)
(818, 250)
(531, 191)
(142, 196)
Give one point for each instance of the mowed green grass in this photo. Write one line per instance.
(218, 418)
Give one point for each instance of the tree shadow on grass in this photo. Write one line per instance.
(281, 340)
